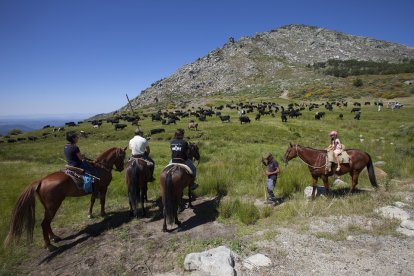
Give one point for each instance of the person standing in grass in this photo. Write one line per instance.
(272, 171)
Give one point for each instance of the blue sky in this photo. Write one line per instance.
(83, 56)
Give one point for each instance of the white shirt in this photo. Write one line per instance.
(138, 145)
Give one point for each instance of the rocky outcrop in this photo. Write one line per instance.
(273, 61)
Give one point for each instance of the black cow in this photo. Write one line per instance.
(70, 124)
(32, 138)
(244, 119)
(357, 115)
(157, 130)
(356, 109)
(120, 126)
(225, 118)
(283, 116)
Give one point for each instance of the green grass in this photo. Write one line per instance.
(230, 165)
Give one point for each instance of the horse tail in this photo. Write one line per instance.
(133, 183)
(169, 199)
(23, 215)
(371, 173)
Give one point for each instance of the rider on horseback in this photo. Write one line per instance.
(336, 147)
(180, 151)
(140, 149)
(75, 158)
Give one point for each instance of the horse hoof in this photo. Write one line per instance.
(164, 229)
(103, 215)
(90, 216)
(56, 239)
(178, 222)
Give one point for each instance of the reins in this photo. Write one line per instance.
(300, 157)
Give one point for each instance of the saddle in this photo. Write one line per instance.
(82, 180)
(343, 157)
(135, 159)
(184, 166)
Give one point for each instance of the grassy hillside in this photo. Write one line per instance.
(230, 161)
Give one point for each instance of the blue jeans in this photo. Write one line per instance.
(190, 163)
(270, 186)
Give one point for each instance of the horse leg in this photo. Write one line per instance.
(142, 196)
(102, 199)
(326, 184)
(190, 205)
(176, 216)
(354, 176)
(91, 207)
(47, 229)
(314, 185)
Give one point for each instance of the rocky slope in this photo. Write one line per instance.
(269, 62)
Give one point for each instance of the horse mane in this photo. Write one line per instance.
(103, 155)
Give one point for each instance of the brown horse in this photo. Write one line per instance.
(173, 180)
(52, 190)
(136, 178)
(316, 161)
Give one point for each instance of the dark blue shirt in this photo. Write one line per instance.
(71, 153)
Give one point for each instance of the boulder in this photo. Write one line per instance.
(393, 212)
(257, 260)
(216, 261)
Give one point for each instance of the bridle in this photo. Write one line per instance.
(118, 165)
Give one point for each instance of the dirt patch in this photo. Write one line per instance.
(119, 244)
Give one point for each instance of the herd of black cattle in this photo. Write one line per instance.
(292, 111)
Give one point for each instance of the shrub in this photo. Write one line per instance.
(15, 131)
(358, 83)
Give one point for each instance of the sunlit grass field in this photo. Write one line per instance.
(230, 163)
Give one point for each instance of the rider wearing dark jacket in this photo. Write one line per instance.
(180, 151)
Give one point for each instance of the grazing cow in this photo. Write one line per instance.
(202, 117)
(341, 116)
(120, 126)
(357, 115)
(11, 140)
(192, 125)
(283, 116)
(32, 138)
(257, 117)
(70, 124)
(225, 118)
(169, 121)
(244, 119)
(21, 139)
(356, 109)
(157, 130)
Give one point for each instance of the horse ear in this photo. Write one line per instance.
(290, 144)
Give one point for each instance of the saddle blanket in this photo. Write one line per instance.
(184, 166)
(343, 157)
